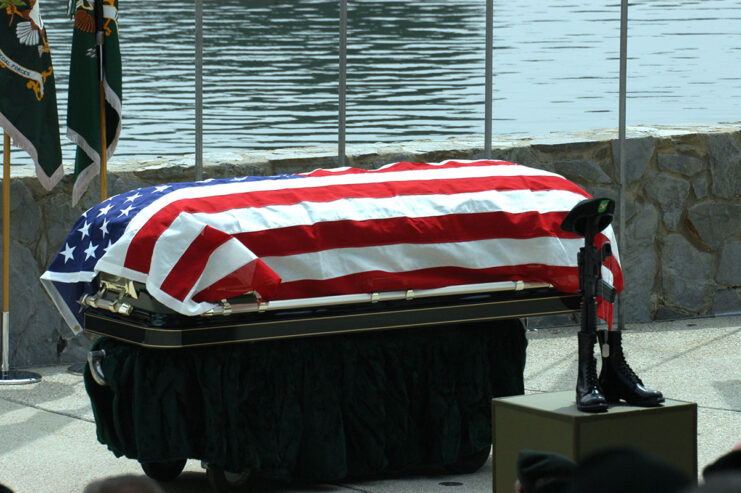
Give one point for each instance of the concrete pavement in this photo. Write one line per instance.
(48, 442)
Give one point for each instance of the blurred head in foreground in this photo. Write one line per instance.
(543, 472)
(128, 483)
(627, 470)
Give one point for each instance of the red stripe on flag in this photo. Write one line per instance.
(611, 263)
(565, 279)
(422, 230)
(185, 273)
(140, 249)
(604, 311)
(254, 276)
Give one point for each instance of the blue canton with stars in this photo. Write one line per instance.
(72, 270)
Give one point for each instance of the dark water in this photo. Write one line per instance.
(415, 69)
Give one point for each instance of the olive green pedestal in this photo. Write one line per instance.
(551, 422)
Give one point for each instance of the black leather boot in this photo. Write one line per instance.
(589, 397)
(617, 379)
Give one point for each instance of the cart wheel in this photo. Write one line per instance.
(228, 482)
(470, 463)
(163, 471)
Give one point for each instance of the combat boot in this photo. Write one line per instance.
(617, 380)
(589, 396)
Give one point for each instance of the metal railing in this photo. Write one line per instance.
(342, 90)
(488, 97)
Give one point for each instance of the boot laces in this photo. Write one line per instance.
(626, 370)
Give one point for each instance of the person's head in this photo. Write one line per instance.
(544, 472)
(730, 462)
(127, 483)
(627, 470)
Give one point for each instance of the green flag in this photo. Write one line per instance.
(28, 100)
(83, 103)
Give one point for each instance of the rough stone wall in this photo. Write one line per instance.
(683, 225)
(683, 217)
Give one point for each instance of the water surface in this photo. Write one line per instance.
(415, 70)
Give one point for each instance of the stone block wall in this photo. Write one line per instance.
(683, 217)
(682, 239)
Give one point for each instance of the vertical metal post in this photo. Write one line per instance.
(342, 83)
(621, 145)
(488, 82)
(199, 90)
(6, 253)
(8, 376)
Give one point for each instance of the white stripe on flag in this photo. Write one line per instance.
(227, 258)
(223, 261)
(309, 182)
(68, 277)
(482, 254)
(170, 246)
(414, 206)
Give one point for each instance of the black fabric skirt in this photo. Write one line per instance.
(316, 409)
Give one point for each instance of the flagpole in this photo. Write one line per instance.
(103, 150)
(6, 249)
(6, 375)
(79, 367)
(101, 91)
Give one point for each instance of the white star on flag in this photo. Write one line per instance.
(85, 230)
(161, 188)
(104, 210)
(104, 227)
(133, 197)
(125, 212)
(90, 251)
(68, 252)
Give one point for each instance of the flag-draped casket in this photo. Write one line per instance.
(348, 404)
(328, 232)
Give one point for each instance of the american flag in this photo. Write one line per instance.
(328, 232)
